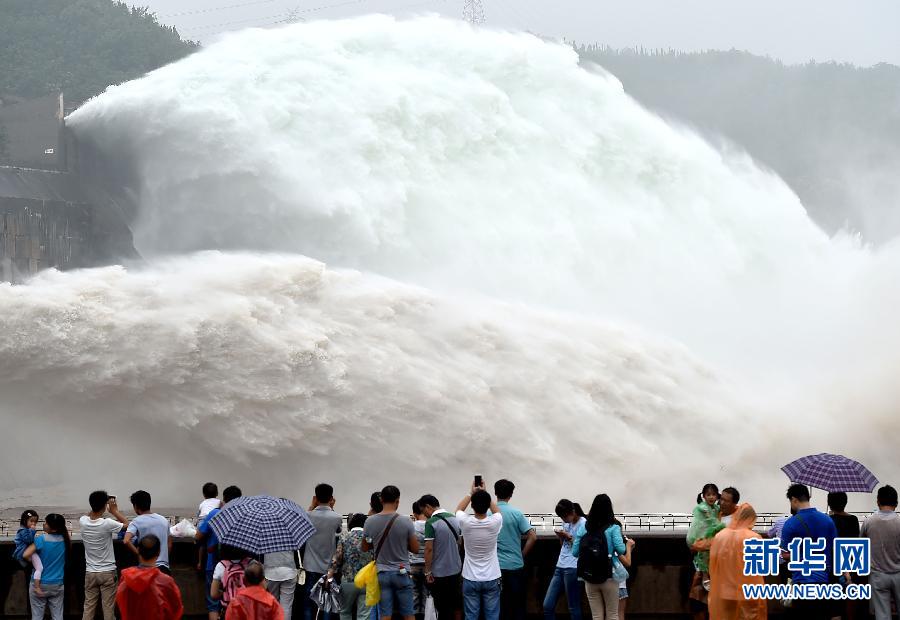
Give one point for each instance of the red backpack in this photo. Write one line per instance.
(233, 579)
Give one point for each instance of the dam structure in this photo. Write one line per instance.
(362, 253)
(52, 214)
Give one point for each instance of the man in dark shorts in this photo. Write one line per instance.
(393, 537)
(443, 565)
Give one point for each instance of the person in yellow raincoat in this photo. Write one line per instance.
(726, 568)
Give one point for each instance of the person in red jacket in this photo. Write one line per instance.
(253, 602)
(144, 592)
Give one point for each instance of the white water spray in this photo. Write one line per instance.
(472, 165)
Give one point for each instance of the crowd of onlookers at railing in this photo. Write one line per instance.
(466, 562)
(721, 525)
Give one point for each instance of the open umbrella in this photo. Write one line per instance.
(832, 473)
(262, 524)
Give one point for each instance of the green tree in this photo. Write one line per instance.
(80, 46)
(830, 130)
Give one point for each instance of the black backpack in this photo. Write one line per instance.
(594, 559)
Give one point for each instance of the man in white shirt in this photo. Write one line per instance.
(97, 534)
(481, 567)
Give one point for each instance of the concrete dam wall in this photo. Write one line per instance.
(60, 207)
(48, 219)
(42, 224)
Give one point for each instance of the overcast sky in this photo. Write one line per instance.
(864, 32)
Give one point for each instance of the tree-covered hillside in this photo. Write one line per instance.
(832, 131)
(80, 46)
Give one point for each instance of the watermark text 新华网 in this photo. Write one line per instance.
(850, 556)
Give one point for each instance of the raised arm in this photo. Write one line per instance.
(113, 508)
(626, 557)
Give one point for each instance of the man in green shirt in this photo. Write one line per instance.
(443, 565)
(511, 553)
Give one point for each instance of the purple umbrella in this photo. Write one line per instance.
(262, 524)
(832, 473)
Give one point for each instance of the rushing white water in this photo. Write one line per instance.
(515, 229)
(339, 374)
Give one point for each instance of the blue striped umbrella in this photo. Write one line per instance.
(262, 524)
(832, 473)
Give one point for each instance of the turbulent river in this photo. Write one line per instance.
(412, 251)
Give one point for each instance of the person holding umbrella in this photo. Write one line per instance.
(837, 475)
(263, 524)
(807, 522)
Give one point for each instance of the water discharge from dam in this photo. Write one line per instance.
(411, 251)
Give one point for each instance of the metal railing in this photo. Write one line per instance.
(638, 522)
(9, 527)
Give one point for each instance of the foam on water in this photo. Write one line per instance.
(278, 357)
(518, 229)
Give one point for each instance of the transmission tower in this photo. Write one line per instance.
(473, 11)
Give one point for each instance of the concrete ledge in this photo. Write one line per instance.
(658, 585)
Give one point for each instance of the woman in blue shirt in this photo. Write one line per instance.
(565, 576)
(53, 549)
(604, 597)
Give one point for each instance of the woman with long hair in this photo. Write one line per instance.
(375, 504)
(565, 577)
(726, 569)
(601, 520)
(53, 548)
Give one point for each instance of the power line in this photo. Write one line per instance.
(331, 6)
(217, 8)
(232, 23)
(292, 15)
(415, 4)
